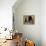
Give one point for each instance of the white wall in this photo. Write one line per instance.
(29, 7)
(43, 22)
(6, 13)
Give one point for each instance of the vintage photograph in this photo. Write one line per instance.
(29, 19)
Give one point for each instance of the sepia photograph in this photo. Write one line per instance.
(29, 19)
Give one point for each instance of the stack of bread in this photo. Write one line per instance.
(29, 43)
